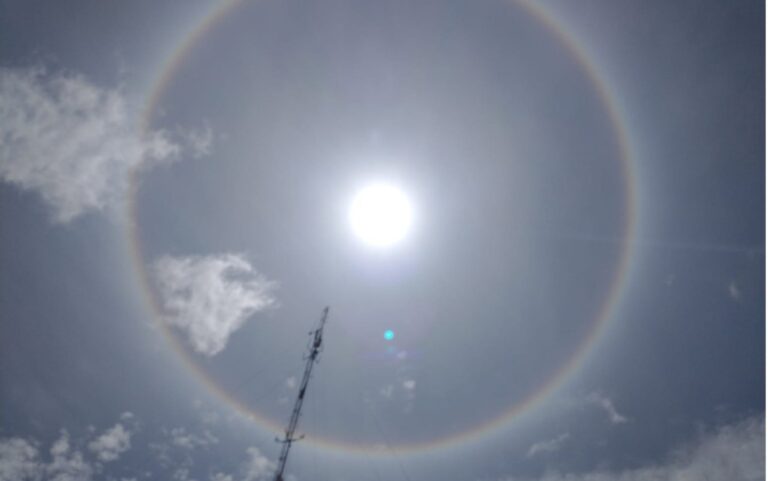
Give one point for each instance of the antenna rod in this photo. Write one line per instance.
(315, 348)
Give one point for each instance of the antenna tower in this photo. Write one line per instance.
(315, 347)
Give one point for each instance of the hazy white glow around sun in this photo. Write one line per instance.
(380, 215)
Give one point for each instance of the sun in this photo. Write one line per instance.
(380, 215)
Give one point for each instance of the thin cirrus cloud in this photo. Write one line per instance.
(76, 143)
(607, 405)
(210, 297)
(548, 446)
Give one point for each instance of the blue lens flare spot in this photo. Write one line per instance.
(389, 334)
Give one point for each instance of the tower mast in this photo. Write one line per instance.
(315, 348)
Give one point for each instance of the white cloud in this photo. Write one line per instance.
(409, 384)
(183, 439)
(21, 460)
(732, 453)
(18, 460)
(67, 465)
(291, 382)
(607, 405)
(177, 450)
(210, 297)
(61, 446)
(75, 143)
(110, 445)
(548, 446)
(258, 467)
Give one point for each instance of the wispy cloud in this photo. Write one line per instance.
(76, 143)
(182, 438)
(208, 415)
(211, 297)
(222, 477)
(548, 446)
(198, 142)
(409, 391)
(733, 453)
(181, 474)
(733, 291)
(606, 404)
(387, 391)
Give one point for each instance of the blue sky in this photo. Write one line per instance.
(580, 294)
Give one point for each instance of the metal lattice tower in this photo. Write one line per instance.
(315, 348)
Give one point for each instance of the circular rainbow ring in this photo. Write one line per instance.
(496, 425)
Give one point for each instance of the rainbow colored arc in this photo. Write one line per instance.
(606, 311)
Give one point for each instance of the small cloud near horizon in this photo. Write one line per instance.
(734, 452)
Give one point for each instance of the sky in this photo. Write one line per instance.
(579, 294)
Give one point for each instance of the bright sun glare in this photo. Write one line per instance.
(380, 215)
